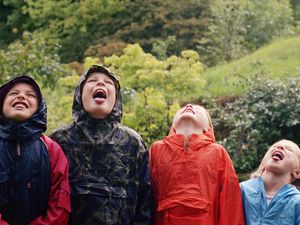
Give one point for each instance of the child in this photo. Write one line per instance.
(109, 171)
(269, 198)
(193, 179)
(34, 187)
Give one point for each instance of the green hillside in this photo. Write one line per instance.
(279, 60)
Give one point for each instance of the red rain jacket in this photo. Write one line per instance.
(194, 182)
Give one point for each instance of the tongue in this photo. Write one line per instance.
(99, 100)
(276, 158)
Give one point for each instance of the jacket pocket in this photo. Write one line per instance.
(3, 187)
(64, 196)
(183, 214)
(104, 204)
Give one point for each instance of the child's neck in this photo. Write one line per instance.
(274, 182)
(187, 131)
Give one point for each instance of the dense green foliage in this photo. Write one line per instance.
(218, 30)
(153, 87)
(268, 112)
(34, 56)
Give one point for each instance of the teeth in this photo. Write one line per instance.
(19, 104)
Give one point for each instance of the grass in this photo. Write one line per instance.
(278, 60)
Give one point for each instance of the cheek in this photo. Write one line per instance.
(85, 95)
(112, 101)
(35, 105)
(5, 106)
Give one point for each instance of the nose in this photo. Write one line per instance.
(100, 82)
(280, 147)
(189, 106)
(21, 96)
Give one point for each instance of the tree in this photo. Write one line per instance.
(13, 21)
(239, 27)
(73, 23)
(153, 89)
(151, 22)
(33, 56)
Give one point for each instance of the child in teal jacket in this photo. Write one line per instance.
(269, 197)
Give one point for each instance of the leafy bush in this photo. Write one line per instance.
(32, 56)
(152, 87)
(268, 112)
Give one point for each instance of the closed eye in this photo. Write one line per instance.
(109, 82)
(91, 80)
(31, 95)
(13, 93)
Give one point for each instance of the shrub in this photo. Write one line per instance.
(268, 112)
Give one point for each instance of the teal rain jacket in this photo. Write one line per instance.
(284, 208)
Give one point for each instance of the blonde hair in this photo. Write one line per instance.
(261, 168)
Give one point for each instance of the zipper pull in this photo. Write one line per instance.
(186, 143)
(18, 149)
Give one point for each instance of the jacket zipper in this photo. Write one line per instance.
(186, 148)
(18, 149)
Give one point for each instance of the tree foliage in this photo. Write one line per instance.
(218, 30)
(241, 26)
(152, 87)
(33, 56)
(268, 112)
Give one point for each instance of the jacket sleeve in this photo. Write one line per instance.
(230, 197)
(2, 222)
(143, 210)
(59, 194)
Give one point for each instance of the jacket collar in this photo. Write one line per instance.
(194, 142)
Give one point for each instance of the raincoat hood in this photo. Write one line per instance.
(23, 130)
(83, 119)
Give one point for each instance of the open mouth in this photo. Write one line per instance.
(188, 110)
(277, 155)
(20, 104)
(99, 93)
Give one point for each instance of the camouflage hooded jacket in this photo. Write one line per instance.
(109, 167)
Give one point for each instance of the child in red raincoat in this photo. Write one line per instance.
(193, 179)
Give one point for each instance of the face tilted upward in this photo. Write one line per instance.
(20, 103)
(98, 95)
(192, 113)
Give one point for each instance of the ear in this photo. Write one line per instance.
(296, 173)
